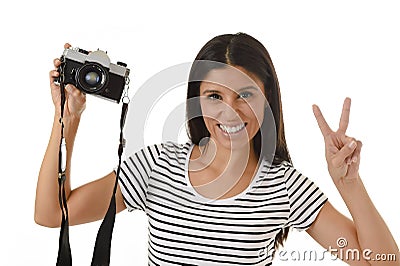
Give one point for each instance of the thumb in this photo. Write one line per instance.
(73, 91)
(344, 152)
(355, 162)
(69, 88)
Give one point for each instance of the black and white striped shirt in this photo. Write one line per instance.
(186, 228)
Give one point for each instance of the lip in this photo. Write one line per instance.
(232, 124)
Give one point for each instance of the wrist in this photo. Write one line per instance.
(67, 118)
(347, 185)
(71, 124)
(347, 181)
(352, 192)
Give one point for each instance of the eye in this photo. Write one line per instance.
(245, 94)
(214, 96)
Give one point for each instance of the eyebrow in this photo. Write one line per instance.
(241, 89)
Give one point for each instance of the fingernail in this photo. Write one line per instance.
(354, 159)
(352, 144)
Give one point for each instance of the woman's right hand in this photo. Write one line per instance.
(75, 100)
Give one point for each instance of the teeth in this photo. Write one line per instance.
(231, 130)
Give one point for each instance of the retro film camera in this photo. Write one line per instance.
(93, 73)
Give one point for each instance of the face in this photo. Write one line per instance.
(232, 101)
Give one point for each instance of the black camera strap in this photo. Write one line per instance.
(102, 248)
(64, 257)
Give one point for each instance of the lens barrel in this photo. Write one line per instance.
(92, 78)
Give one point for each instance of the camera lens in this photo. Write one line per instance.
(92, 78)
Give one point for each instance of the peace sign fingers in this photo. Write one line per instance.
(341, 152)
(344, 118)
(323, 125)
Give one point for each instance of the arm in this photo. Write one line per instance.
(86, 203)
(368, 230)
(329, 227)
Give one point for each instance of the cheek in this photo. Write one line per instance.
(209, 110)
(209, 123)
(207, 120)
(255, 112)
(207, 113)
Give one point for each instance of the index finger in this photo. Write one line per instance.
(323, 125)
(345, 117)
(67, 45)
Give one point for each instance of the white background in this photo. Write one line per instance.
(323, 51)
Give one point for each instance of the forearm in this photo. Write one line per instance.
(47, 209)
(372, 231)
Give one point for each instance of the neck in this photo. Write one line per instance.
(225, 159)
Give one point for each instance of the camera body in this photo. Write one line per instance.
(93, 73)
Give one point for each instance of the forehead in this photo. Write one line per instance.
(233, 78)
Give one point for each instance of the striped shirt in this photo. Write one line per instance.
(186, 228)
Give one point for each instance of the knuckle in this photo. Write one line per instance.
(359, 144)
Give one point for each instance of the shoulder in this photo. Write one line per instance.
(172, 146)
(171, 150)
(174, 149)
(280, 168)
(169, 147)
(167, 154)
(287, 172)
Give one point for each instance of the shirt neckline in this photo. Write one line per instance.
(209, 200)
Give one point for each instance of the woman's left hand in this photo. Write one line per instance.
(342, 152)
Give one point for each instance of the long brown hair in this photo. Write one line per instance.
(245, 51)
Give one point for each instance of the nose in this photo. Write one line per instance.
(229, 112)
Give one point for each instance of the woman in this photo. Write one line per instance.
(230, 194)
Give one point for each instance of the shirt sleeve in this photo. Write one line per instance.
(134, 176)
(305, 198)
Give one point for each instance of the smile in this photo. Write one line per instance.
(232, 130)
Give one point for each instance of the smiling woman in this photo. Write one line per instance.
(230, 194)
(232, 102)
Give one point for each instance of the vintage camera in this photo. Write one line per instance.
(93, 73)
